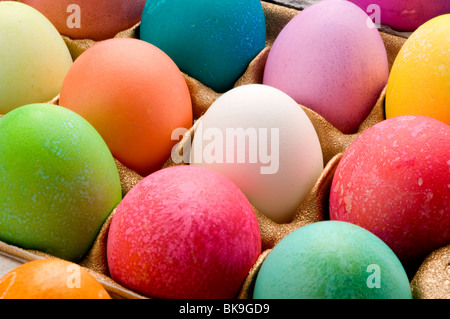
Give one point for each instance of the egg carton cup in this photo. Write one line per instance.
(78, 46)
(430, 281)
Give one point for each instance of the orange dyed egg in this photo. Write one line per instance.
(51, 279)
(134, 95)
(87, 19)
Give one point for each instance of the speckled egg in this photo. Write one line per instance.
(419, 83)
(331, 260)
(330, 58)
(404, 15)
(210, 40)
(59, 181)
(394, 180)
(87, 19)
(183, 232)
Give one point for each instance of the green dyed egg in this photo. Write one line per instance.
(332, 260)
(58, 181)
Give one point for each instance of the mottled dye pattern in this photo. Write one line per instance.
(394, 180)
(183, 232)
(58, 179)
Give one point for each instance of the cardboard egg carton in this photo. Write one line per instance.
(431, 280)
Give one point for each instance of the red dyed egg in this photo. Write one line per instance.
(183, 232)
(394, 180)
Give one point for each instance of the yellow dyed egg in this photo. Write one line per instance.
(419, 83)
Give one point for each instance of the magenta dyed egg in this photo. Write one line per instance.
(183, 232)
(394, 180)
(330, 58)
(404, 15)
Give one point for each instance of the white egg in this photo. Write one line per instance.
(262, 140)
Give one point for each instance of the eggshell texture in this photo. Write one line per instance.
(330, 59)
(405, 15)
(59, 181)
(331, 260)
(394, 180)
(426, 90)
(264, 142)
(134, 95)
(183, 232)
(98, 20)
(212, 41)
(34, 58)
(50, 279)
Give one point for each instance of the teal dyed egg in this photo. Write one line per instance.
(331, 260)
(58, 181)
(212, 41)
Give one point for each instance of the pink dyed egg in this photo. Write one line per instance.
(404, 15)
(330, 58)
(394, 180)
(183, 232)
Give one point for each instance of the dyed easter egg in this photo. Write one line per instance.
(59, 181)
(331, 260)
(134, 95)
(211, 40)
(330, 58)
(34, 58)
(419, 83)
(404, 15)
(263, 141)
(51, 279)
(394, 180)
(183, 232)
(87, 19)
